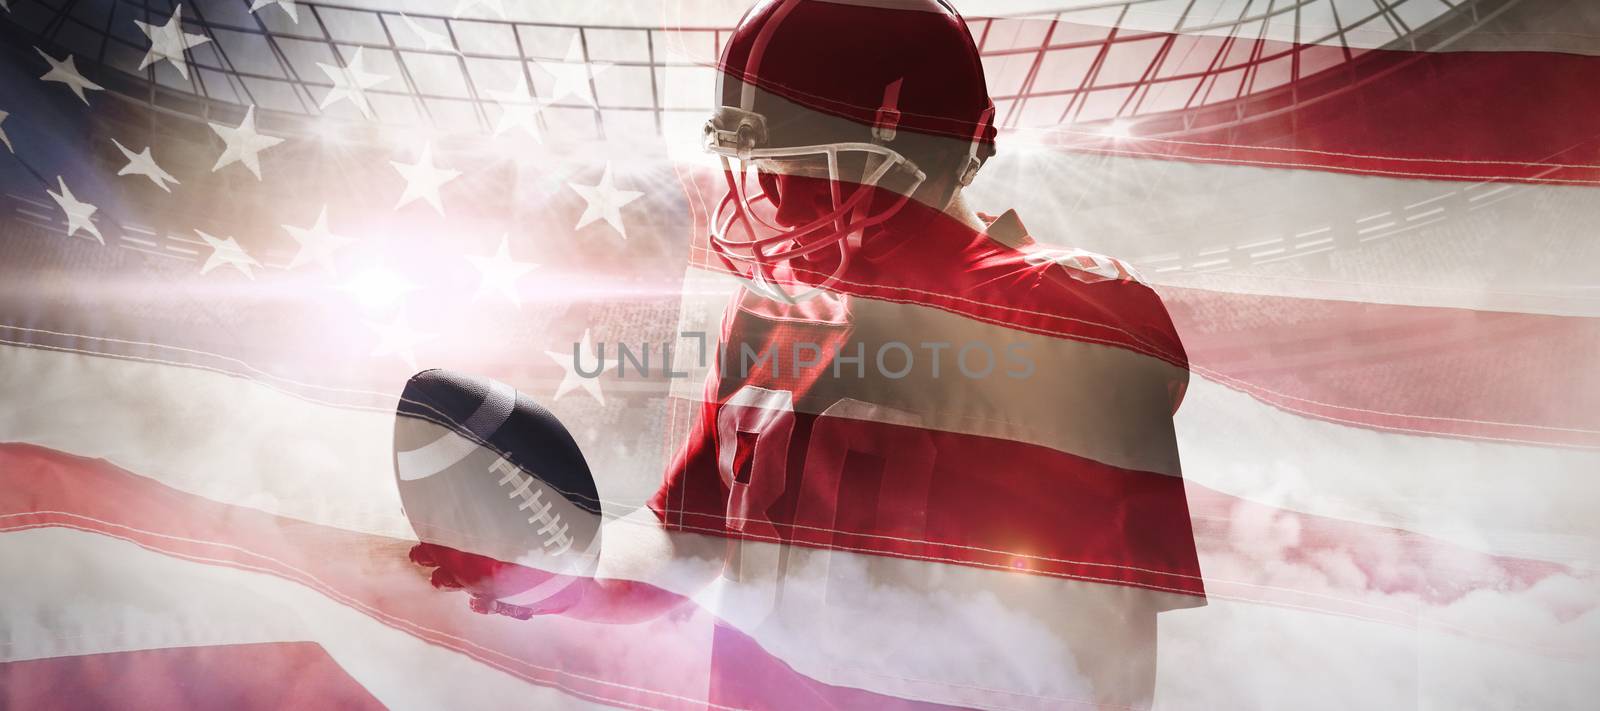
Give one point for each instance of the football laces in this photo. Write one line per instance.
(556, 538)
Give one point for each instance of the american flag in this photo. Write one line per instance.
(231, 229)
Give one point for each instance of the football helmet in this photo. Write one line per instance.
(867, 95)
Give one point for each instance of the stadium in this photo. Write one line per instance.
(231, 230)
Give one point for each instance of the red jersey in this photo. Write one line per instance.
(970, 398)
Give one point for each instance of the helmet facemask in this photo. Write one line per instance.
(753, 245)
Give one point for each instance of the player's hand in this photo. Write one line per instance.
(480, 578)
(480, 467)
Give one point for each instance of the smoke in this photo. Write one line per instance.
(1387, 620)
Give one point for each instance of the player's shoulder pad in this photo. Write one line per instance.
(1080, 264)
(1084, 265)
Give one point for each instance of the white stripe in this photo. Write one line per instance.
(1225, 655)
(1309, 21)
(90, 594)
(1526, 501)
(224, 438)
(1233, 655)
(1492, 259)
(1360, 25)
(1498, 498)
(945, 633)
(1519, 498)
(987, 638)
(919, 629)
(1135, 434)
(331, 466)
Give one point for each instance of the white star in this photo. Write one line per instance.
(169, 41)
(317, 244)
(397, 338)
(351, 81)
(518, 109)
(66, 72)
(243, 144)
(571, 379)
(287, 5)
(145, 164)
(423, 179)
(500, 272)
(227, 251)
(78, 213)
(498, 6)
(572, 74)
(3, 137)
(430, 40)
(605, 202)
(4, 6)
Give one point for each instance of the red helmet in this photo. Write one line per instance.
(872, 91)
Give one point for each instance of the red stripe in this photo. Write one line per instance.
(43, 488)
(1416, 569)
(1456, 372)
(1253, 551)
(936, 261)
(1496, 116)
(1428, 370)
(980, 504)
(657, 665)
(279, 675)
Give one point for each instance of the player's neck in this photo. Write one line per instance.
(959, 210)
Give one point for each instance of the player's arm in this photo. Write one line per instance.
(505, 508)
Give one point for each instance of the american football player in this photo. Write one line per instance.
(933, 458)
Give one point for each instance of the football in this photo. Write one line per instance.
(487, 473)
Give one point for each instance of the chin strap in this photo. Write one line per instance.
(969, 172)
(886, 123)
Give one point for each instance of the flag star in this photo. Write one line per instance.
(501, 272)
(518, 109)
(351, 81)
(498, 6)
(317, 244)
(399, 339)
(431, 40)
(423, 179)
(572, 379)
(78, 213)
(66, 72)
(227, 251)
(287, 5)
(604, 202)
(3, 137)
(244, 144)
(145, 164)
(169, 42)
(572, 74)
